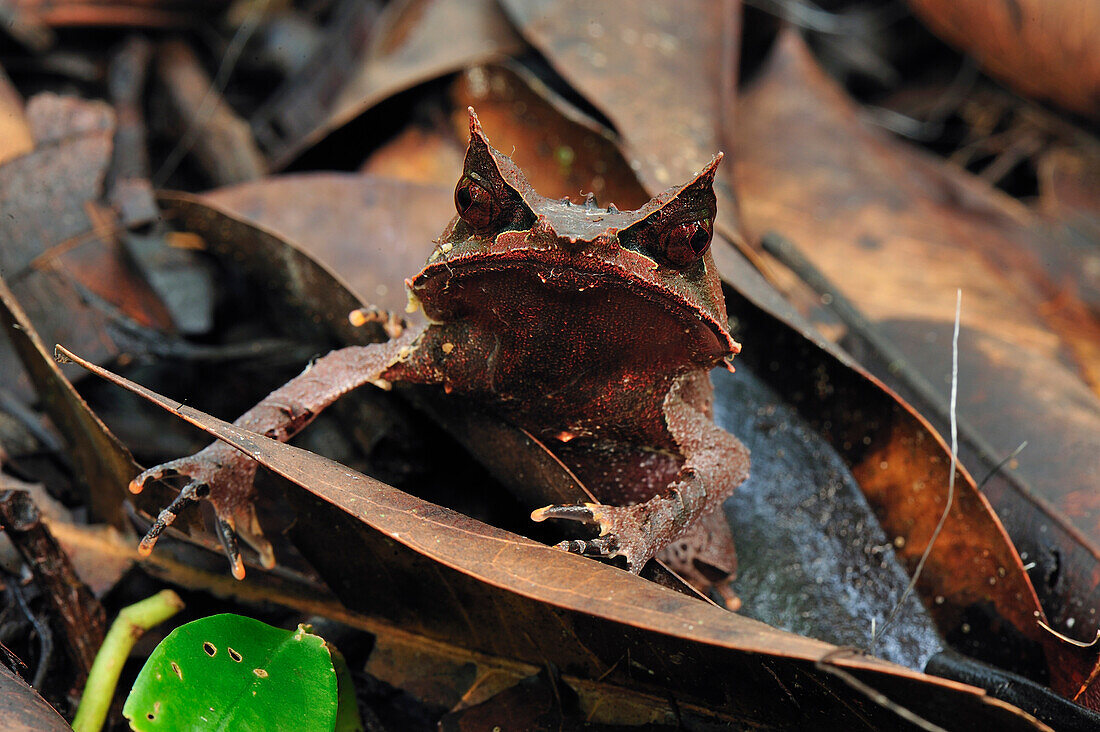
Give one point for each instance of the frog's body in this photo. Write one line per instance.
(593, 329)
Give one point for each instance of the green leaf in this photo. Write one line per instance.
(232, 672)
(347, 716)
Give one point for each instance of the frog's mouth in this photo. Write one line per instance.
(580, 292)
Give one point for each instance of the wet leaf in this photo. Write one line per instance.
(812, 557)
(486, 589)
(867, 424)
(1045, 49)
(232, 671)
(898, 233)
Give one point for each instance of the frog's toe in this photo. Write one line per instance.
(583, 513)
(137, 485)
(602, 546)
(191, 493)
(228, 538)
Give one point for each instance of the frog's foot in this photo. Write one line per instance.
(602, 546)
(224, 476)
(625, 531)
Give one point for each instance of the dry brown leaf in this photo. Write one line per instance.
(415, 41)
(1044, 48)
(664, 74)
(898, 232)
(15, 133)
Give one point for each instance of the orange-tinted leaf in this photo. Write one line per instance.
(15, 133)
(139, 13)
(1043, 48)
(560, 150)
(417, 155)
(899, 233)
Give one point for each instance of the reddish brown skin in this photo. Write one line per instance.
(594, 329)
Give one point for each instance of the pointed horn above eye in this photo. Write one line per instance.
(479, 145)
(696, 196)
(496, 173)
(706, 175)
(703, 182)
(476, 133)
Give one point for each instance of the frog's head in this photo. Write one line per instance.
(659, 253)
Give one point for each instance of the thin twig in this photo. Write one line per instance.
(1003, 462)
(950, 481)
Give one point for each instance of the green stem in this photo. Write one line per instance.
(131, 624)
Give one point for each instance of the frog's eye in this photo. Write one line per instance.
(475, 204)
(684, 243)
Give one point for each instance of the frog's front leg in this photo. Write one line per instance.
(223, 475)
(715, 463)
